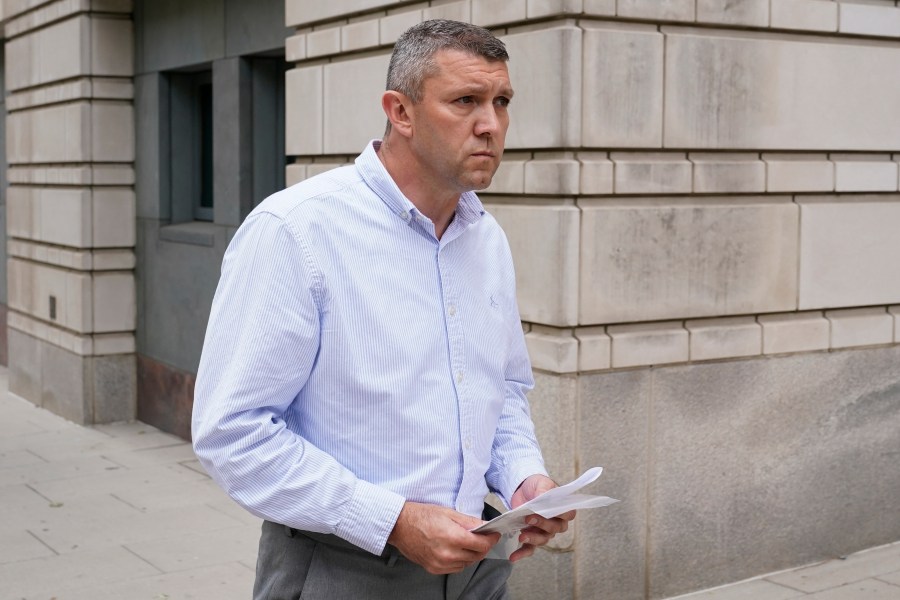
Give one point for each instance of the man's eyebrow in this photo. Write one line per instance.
(475, 88)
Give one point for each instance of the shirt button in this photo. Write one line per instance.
(405, 216)
(459, 377)
(468, 443)
(452, 310)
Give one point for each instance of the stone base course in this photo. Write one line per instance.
(728, 470)
(599, 348)
(82, 388)
(860, 327)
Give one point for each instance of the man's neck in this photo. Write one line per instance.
(439, 208)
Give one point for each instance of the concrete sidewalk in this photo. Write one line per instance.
(872, 574)
(125, 512)
(116, 512)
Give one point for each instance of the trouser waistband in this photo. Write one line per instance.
(390, 553)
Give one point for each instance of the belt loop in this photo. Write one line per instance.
(289, 531)
(393, 555)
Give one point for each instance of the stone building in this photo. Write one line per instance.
(702, 197)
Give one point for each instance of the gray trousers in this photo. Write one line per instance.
(299, 565)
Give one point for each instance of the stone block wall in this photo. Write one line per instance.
(4, 360)
(703, 199)
(70, 223)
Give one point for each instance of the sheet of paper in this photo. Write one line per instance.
(548, 505)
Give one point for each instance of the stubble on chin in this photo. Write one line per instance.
(481, 182)
(482, 178)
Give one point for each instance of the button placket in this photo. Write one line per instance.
(456, 347)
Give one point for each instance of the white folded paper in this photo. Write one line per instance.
(548, 505)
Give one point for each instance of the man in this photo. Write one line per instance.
(363, 378)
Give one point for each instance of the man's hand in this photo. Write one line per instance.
(439, 539)
(542, 530)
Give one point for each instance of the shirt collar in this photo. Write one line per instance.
(371, 169)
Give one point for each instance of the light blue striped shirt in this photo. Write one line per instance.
(353, 361)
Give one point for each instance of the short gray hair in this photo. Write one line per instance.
(413, 59)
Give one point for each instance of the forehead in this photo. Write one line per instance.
(457, 68)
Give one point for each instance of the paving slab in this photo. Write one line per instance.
(101, 532)
(16, 546)
(250, 564)
(856, 567)
(42, 578)
(39, 438)
(40, 515)
(107, 446)
(893, 578)
(872, 574)
(18, 458)
(162, 497)
(232, 509)
(194, 465)
(168, 454)
(87, 512)
(112, 482)
(867, 589)
(200, 549)
(18, 428)
(232, 581)
(19, 499)
(755, 589)
(23, 417)
(54, 471)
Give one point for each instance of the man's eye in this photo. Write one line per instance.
(465, 100)
(502, 101)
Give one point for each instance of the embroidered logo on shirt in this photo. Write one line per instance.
(494, 303)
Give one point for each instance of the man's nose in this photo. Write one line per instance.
(488, 122)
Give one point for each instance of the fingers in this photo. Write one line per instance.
(569, 516)
(479, 542)
(548, 526)
(438, 538)
(523, 552)
(451, 562)
(542, 530)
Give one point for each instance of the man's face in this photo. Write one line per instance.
(460, 123)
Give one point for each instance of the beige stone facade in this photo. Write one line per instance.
(70, 228)
(690, 186)
(703, 202)
(666, 168)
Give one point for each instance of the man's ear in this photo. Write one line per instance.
(398, 109)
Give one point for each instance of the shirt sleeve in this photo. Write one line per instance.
(516, 454)
(261, 344)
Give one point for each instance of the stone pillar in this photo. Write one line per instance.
(71, 206)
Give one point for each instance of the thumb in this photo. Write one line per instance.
(544, 484)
